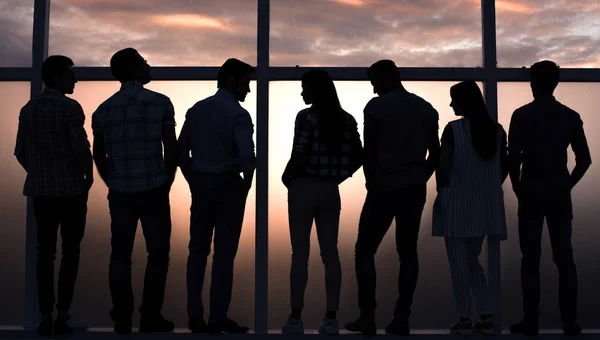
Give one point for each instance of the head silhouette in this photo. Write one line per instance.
(234, 76)
(544, 78)
(57, 74)
(467, 101)
(128, 65)
(384, 76)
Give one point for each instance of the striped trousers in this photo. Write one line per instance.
(467, 274)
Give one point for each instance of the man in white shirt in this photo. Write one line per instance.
(218, 133)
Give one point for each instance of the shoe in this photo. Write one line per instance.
(329, 326)
(77, 324)
(463, 327)
(398, 327)
(484, 326)
(62, 327)
(197, 325)
(155, 324)
(572, 328)
(364, 324)
(293, 326)
(529, 328)
(226, 326)
(46, 326)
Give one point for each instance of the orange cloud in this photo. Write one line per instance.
(189, 21)
(508, 6)
(356, 3)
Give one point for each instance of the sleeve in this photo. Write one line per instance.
(243, 129)
(302, 132)
(448, 135)
(77, 135)
(169, 114)
(579, 142)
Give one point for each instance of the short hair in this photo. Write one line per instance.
(121, 62)
(233, 68)
(53, 66)
(545, 75)
(384, 68)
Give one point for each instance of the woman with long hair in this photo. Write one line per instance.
(470, 201)
(326, 151)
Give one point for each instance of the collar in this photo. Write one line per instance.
(53, 92)
(226, 94)
(544, 98)
(130, 84)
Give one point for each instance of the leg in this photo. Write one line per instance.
(73, 211)
(202, 222)
(301, 211)
(327, 220)
(124, 220)
(47, 227)
(559, 226)
(375, 220)
(155, 216)
(231, 205)
(458, 259)
(531, 222)
(477, 280)
(408, 222)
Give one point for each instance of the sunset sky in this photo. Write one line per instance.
(424, 33)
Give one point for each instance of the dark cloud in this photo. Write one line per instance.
(16, 28)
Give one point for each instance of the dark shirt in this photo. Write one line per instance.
(51, 136)
(539, 135)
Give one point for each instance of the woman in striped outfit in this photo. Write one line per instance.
(470, 201)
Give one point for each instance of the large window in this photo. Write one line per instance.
(16, 29)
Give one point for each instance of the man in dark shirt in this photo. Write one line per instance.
(540, 133)
(52, 146)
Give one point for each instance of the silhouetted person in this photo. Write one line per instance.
(218, 132)
(130, 130)
(470, 202)
(326, 151)
(539, 135)
(52, 146)
(400, 127)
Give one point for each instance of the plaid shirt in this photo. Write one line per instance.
(320, 161)
(131, 123)
(50, 137)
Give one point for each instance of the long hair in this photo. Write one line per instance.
(326, 104)
(467, 96)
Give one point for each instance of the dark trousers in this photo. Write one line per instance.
(152, 208)
(380, 208)
(70, 213)
(558, 214)
(218, 203)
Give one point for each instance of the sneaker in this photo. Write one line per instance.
(572, 328)
(329, 327)
(293, 326)
(463, 327)
(364, 324)
(155, 324)
(197, 325)
(226, 326)
(484, 326)
(77, 324)
(46, 326)
(529, 328)
(62, 327)
(398, 327)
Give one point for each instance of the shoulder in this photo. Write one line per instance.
(350, 118)
(425, 106)
(303, 114)
(523, 111)
(568, 111)
(154, 97)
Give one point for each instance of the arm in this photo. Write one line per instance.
(370, 149)
(515, 150)
(298, 158)
(294, 164)
(357, 150)
(21, 145)
(446, 155)
(433, 148)
(504, 161)
(242, 132)
(80, 144)
(583, 159)
(100, 157)
(185, 161)
(169, 140)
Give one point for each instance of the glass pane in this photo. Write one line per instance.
(563, 31)
(16, 29)
(583, 98)
(434, 279)
(92, 286)
(359, 32)
(166, 32)
(13, 205)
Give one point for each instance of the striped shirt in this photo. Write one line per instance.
(51, 135)
(132, 122)
(472, 204)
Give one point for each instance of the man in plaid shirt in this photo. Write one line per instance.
(53, 148)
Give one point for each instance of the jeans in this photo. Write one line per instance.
(380, 208)
(218, 204)
(152, 208)
(319, 200)
(559, 214)
(70, 213)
